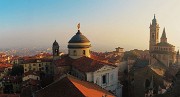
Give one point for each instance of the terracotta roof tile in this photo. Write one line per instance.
(83, 64)
(34, 60)
(70, 86)
(64, 61)
(86, 64)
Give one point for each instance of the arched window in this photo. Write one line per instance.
(74, 53)
(153, 36)
(84, 52)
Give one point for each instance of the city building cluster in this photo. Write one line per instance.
(85, 73)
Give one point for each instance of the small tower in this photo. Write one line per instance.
(163, 37)
(55, 50)
(79, 45)
(154, 33)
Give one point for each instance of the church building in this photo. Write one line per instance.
(79, 63)
(160, 51)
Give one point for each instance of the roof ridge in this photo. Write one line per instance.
(63, 76)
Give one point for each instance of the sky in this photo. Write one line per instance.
(106, 23)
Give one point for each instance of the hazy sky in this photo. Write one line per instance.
(106, 23)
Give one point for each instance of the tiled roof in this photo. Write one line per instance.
(15, 79)
(36, 60)
(2, 65)
(69, 86)
(86, 64)
(64, 61)
(164, 44)
(83, 64)
(37, 73)
(43, 54)
(100, 58)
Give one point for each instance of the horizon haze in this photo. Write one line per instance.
(106, 23)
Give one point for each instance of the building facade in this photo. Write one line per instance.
(43, 65)
(79, 63)
(79, 46)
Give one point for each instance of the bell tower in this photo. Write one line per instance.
(154, 33)
(55, 50)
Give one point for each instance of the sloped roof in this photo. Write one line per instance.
(31, 72)
(64, 61)
(83, 64)
(86, 64)
(164, 44)
(35, 60)
(164, 34)
(69, 86)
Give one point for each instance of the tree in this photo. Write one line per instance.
(17, 70)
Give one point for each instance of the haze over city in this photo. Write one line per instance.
(107, 23)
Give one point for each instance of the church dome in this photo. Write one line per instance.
(79, 38)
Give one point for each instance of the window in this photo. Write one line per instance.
(75, 53)
(39, 65)
(153, 36)
(104, 79)
(47, 69)
(84, 52)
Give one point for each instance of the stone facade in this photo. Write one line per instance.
(162, 51)
(79, 63)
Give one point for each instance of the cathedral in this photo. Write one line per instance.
(160, 51)
(79, 63)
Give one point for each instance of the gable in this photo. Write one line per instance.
(105, 68)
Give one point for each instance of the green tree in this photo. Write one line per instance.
(17, 70)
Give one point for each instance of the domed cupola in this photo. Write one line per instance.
(79, 45)
(79, 38)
